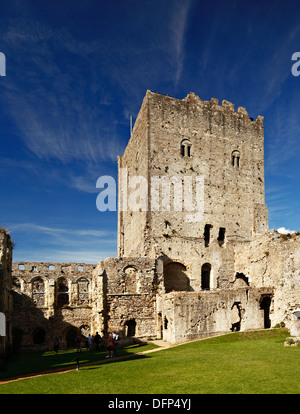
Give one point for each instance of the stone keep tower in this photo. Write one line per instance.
(173, 139)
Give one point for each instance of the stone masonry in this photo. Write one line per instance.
(184, 270)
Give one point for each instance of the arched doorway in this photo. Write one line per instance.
(175, 277)
(130, 327)
(205, 276)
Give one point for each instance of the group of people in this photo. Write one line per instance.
(112, 344)
(89, 342)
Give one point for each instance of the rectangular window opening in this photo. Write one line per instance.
(207, 234)
(221, 237)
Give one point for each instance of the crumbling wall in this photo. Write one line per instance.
(273, 259)
(126, 299)
(51, 299)
(188, 316)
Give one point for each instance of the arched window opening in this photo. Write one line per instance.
(38, 292)
(83, 291)
(205, 276)
(185, 148)
(130, 279)
(235, 158)
(62, 292)
(175, 278)
(130, 327)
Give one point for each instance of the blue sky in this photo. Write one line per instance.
(77, 70)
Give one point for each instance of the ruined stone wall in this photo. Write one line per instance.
(126, 296)
(273, 259)
(134, 162)
(188, 316)
(51, 299)
(5, 284)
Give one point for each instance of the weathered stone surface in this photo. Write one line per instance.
(175, 277)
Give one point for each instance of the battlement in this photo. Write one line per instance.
(226, 107)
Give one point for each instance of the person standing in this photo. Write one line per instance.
(110, 346)
(97, 339)
(116, 343)
(89, 342)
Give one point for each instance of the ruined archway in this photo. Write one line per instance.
(130, 327)
(175, 277)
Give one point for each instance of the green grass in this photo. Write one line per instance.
(238, 363)
(37, 362)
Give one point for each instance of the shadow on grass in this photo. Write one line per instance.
(28, 364)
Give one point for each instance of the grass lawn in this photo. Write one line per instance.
(238, 363)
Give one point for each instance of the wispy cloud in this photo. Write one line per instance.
(178, 26)
(54, 101)
(59, 232)
(61, 92)
(45, 243)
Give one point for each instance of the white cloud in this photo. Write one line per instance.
(283, 230)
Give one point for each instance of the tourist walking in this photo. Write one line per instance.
(110, 346)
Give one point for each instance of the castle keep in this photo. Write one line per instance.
(181, 273)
